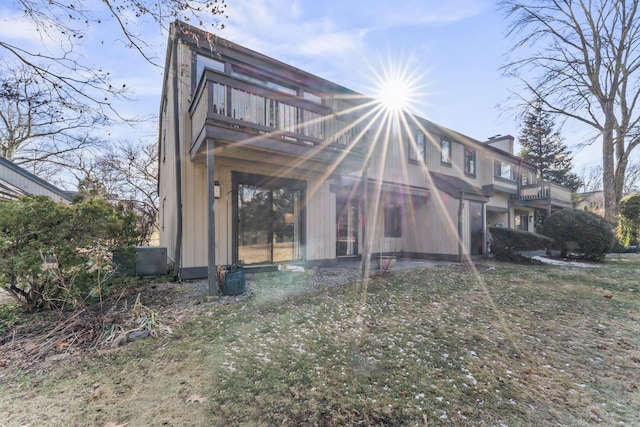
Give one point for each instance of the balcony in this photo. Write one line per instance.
(544, 195)
(251, 121)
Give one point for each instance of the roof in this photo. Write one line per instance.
(13, 179)
(453, 186)
(9, 191)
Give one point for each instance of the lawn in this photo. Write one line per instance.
(494, 344)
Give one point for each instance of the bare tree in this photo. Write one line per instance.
(39, 129)
(632, 179)
(126, 173)
(591, 179)
(67, 24)
(52, 99)
(582, 58)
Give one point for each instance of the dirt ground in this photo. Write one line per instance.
(98, 326)
(4, 297)
(158, 307)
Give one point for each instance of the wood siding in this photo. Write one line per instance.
(433, 219)
(30, 184)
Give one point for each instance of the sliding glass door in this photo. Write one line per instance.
(269, 220)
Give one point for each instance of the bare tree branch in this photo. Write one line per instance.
(582, 58)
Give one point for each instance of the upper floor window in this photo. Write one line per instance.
(527, 177)
(312, 97)
(469, 161)
(417, 151)
(504, 170)
(258, 79)
(445, 151)
(203, 62)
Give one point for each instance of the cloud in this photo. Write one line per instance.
(288, 28)
(16, 29)
(305, 31)
(417, 12)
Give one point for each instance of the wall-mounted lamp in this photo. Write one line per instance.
(530, 218)
(216, 189)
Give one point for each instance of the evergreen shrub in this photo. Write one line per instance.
(507, 243)
(629, 221)
(54, 255)
(581, 233)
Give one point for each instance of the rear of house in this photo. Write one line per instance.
(262, 163)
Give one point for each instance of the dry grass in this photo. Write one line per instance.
(500, 345)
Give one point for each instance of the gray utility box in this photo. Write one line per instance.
(148, 261)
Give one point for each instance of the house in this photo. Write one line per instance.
(592, 201)
(262, 163)
(16, 182)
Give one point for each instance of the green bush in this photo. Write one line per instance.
(629, 223)
(53, 255)
(507, 243)
(582, 233)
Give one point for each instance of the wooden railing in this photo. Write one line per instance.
(255, 109)
(545, 190)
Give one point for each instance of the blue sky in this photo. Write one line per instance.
(453, 48)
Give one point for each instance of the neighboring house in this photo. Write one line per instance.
(592, 201)
(16, 182)
(262, 163)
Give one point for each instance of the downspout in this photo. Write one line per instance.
(460, 209)
(176, 122)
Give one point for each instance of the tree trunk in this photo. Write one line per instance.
(608, 178)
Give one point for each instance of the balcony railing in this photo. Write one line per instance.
(237, 104)
(545, 191)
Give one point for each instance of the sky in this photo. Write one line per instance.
(451, 50)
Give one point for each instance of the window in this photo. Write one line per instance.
(521, 221)
(257, 79)
(417, 151)
(164, 200)
(312, 97)
(164, 145)
(504, 170)
(469, 161)
(445, 151)
(203, 62)
(392, 221)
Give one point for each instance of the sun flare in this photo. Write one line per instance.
(395, 94)
(398, 85)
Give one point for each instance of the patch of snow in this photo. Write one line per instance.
(560, 262)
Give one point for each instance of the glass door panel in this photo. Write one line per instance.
(268, 224)
(285, 225)
(477, 226)
(347, 228)
(254, 219)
